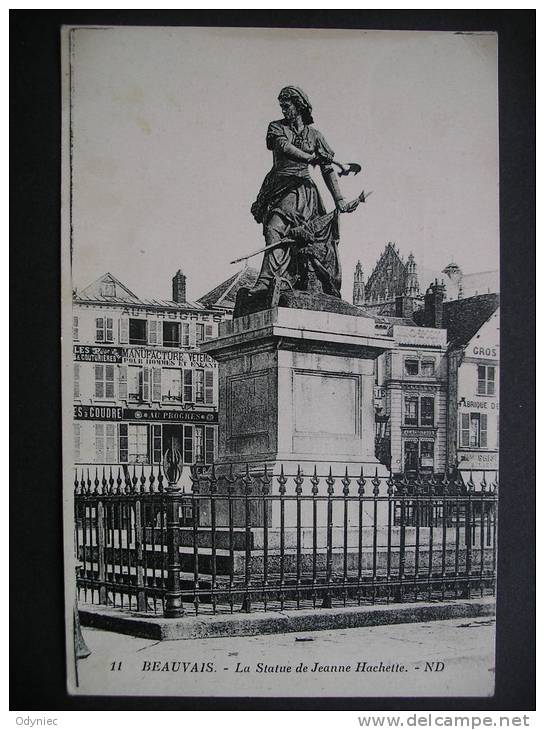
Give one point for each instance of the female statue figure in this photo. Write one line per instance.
(289, 200)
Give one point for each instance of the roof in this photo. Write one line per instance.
(93, 294)
(383, 319)
(463, 318)
(224, 294)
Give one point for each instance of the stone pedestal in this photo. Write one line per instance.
(296, 389)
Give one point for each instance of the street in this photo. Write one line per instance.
(439, 658)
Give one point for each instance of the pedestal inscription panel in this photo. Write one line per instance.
(249, 407)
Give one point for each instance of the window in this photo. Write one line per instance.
(411, 367)
(486, 380)
(171, 334)
(157, 445)
(105, 446)
(419, 410)
(124, 330)
(75, 329)
(473, 430)
(76, 380)
(188, 386)
(156, 378)
(427, 368)
(107, 289)
(77, 442)
(104, 329)
(134, 383)
(199, 386)
(138, 331)
(426, 454)
(411, 411)
(172, 385)
(209, 387)
(426, 411)
(209, 444)
(199, 332)
(188, 444)
(123, 443)
(104, 381)
(138, 437)
(209, 331)
(185, 334)
(199, 443)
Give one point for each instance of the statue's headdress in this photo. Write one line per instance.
(300, 99)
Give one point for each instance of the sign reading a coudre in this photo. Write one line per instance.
(98, 413)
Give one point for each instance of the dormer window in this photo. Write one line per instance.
(107, 289)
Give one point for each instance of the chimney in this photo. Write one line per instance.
(404, 306)
(433, 305)
(178, 287)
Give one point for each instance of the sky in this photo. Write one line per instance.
(168, 129)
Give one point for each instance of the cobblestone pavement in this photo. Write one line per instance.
(453, 657)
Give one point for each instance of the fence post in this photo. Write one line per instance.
(173, 596)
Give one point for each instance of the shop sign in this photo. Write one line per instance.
(168, 358)
(379, 394)
(98, 413)
(156, 414)
(418, 433)
(478, 405)
(423, 336)
(477, 460)
(480, 351)
(97, 353)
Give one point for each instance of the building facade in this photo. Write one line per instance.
(141, 384)
(473, 327)
(411, 399)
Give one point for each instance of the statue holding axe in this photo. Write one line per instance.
(300, 236)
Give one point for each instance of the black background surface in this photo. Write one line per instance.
(37, 650)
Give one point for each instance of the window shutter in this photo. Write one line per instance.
(109, 381)
(192, 334)
(124, 330)
(110, 443)
(209, 444)
(145, 384)
(188, 386)
(123, 443)
(483, 441)
(76, 380)
(185, 334)
(99, 443)
(209, 386)
(123, 382)
(464, 430)
(75, 329)
(490, 385)
(77, 442)
(157, 445)
(153, 332)
(99, 381)
(109, 329)
(160, 333)
(156, 384)
(188, 444)
(208, 331)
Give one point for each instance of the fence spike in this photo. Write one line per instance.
(298, 480)
(314, 480)
(470, 482)
(119, 481)
(76, 483)
(361, 483)
(390, 484)
(151, 480)
(282, 480)
(104, 483)
(96, 482)
(134, 479)
(265, 481)
(330, 481)
(110, 482)
(376, 483)
(142, 480)
(346, 482)
(484, 483)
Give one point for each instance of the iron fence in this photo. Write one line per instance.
(257, 541)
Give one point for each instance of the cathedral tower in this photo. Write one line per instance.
(358, 296)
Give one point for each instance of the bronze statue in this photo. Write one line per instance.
(301, 236)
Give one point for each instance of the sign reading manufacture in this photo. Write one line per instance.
(143, 356)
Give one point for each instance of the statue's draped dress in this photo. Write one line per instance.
(289, 198)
